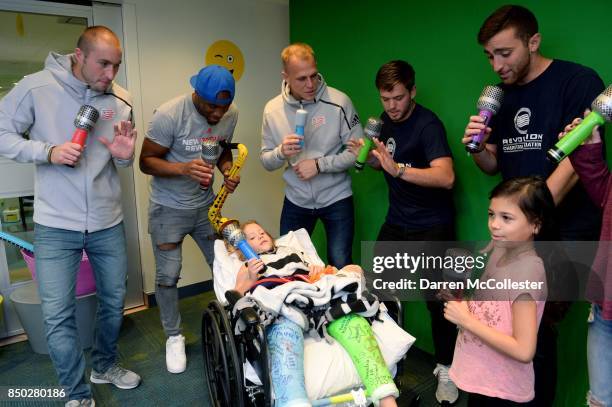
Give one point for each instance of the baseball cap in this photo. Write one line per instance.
(211, 80)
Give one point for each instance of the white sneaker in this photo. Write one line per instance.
(81, 403)
(446, 390)
(176, 361)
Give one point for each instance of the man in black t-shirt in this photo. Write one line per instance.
(541, 95)
(413, 152)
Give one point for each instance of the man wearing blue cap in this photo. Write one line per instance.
(180, 197)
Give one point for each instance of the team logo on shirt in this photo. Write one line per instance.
(317, 121)
(521, 120)
(192, 144)
(524, 141)
(355, 120)
(107, 113)
(195, 143)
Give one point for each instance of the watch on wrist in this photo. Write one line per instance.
(402, 169)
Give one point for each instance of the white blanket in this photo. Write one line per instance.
(289, 298)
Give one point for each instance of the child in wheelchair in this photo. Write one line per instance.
(279, 265)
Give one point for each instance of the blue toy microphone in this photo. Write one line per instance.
(236, 238)
(300, 122)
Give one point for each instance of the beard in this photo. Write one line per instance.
(522, 71)
(94, 84)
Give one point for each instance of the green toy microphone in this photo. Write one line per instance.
(601, 112)
(372, 129)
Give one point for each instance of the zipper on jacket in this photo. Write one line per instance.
(85, 168)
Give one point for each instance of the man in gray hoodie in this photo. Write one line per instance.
(77, 202)
(318, 185)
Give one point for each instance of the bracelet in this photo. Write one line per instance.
(317, 164)
(49, 154)
(402, 169)
(479, 151)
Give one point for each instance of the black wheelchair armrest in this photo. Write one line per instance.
(248, 315)
(395, 309)
(232, 297)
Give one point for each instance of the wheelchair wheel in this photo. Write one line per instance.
(235, 362)
(222, 367)
(261, 399)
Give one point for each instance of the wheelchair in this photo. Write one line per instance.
(225, 354)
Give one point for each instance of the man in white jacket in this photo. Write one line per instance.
(318, 185)
(77, 199)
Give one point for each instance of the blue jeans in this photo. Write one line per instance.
(58, 255)
(599, 358)
(170, 226)
(338, 221)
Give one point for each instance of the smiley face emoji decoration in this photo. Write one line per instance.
(228, 55)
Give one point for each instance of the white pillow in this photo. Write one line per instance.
(328, 368)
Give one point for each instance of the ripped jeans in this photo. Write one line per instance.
(168, 227)
(599, 358)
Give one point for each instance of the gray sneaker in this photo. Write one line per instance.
(120, 377)
(82, 402)
(446, 392)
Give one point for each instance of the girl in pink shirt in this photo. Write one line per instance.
(499, 325)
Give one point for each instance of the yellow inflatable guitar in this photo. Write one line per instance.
(214, 212)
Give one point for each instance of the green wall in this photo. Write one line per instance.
(353, 38)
